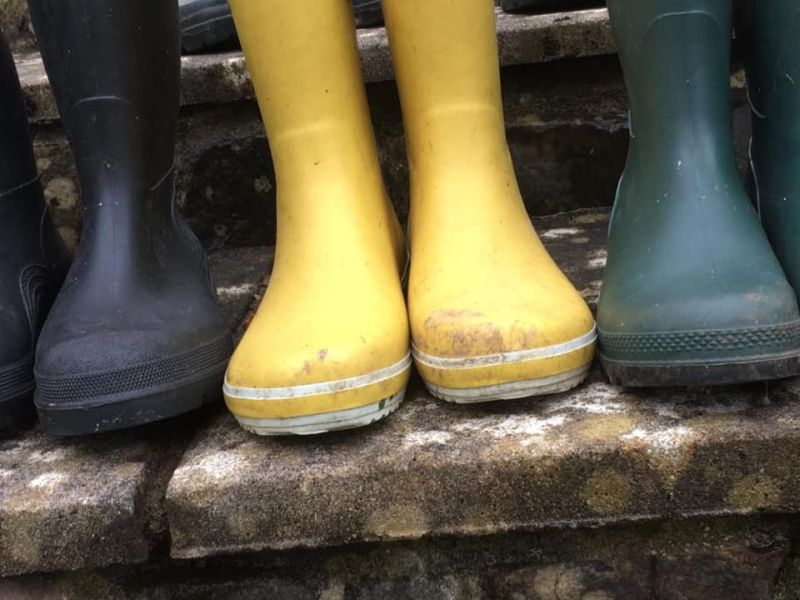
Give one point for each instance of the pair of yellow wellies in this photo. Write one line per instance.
(491, 316)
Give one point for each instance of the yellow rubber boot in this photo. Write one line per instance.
(328, 348)
(492, 316)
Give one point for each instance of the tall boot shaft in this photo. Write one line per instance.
(304, 64)
(770, 30)
(27, 233)
(770, 34)
(676, 57)
(449, 81)
(17, 163)
(305, 68)
(115, 75)
(114, 67)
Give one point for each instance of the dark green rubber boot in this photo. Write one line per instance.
(693, 293)
(770, 31)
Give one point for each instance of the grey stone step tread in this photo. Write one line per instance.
(593, 456)
(222, 78)
(69, 504)
(596, 456)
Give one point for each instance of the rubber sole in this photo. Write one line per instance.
(17, 409)
(16, 392)
(317, 403)
(324, 423)
(368, 14)
(544, 6)
(701, 373)
(207, 27)
(109, 413)
(511, 390)
(554, 384)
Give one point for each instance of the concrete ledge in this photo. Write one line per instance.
(595, 456)
(223, 78)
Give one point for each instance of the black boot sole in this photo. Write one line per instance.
(121, 411)
(547, 6)
(17, 409)
(701, 374)
(16, 393)
(136, 395)
(208, 26)
(369, 14)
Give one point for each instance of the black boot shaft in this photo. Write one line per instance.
(17, 162)
(33, 260)
(135, 334)
(115, 76)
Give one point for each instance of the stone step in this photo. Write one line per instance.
(564, 100)
(739, 558)
(223, 78)
(200, 486)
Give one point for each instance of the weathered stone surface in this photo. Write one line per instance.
(223, 78)
(597, 455)
(239, 274)
(67, 504)
(722, 559)
(15, 23)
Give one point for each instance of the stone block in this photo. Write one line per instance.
(68, 504)
(597, 455)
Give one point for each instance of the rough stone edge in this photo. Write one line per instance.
(223, 77)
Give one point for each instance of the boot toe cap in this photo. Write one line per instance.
(114, 365)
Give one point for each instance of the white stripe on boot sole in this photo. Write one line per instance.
(473, 362)
(324, 422)
(316, 389)
(513, 390)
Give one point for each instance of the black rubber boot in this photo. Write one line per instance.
(368, 13)
(547, 6)
(208, 24)
(693, 294)
(770, 34)
(135, 334)
(33, 260)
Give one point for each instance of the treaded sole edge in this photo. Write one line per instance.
(711, 373)
(110, 413)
